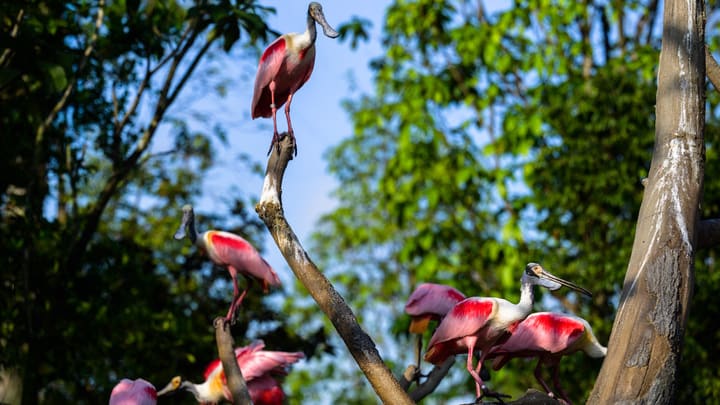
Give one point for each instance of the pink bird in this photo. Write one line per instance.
(285, 65)
(479, 323)
(133, 392)
(257, 367)
(548, 336)
(429, 302)
(232, 252)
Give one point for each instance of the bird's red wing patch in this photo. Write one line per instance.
(151, 393)
(277, 45)
(211, 368)
(475, 308)
(230, 241)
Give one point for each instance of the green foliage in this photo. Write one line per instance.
(495, 138)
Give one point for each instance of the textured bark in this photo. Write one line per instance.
(226, 352)
(645, 344)
(360, 345)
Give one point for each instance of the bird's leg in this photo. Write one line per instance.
(290, 128)
(486, 392)
(237, 297)
(556, 383)
(478, 381)
(234, 306)
(539, 378)
(418, 355)
(273, 108)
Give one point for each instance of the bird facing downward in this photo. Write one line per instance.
(257, 367)
(285, 65)
(479, 323)
(231, 251)
(548, 336)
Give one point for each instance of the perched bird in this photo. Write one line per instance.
(548, 336)
(232, 252)
(257, 367)
(429, 301)
(285, 65)
(479, 323)
(133, 392)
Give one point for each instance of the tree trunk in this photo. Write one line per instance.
(645, 344)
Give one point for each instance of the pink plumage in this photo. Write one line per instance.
(430, 301)
(133, 392)
(265, 390)
(233, 252)
(480, 323)
(548, 336)
(284, 67)
(465, 322)
(258, 367)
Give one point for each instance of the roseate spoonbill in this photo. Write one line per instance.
(285, 65)
(133, 392)
(231, 251)
(429, 301)
(479, 323)
(257, 367)
(548, 336)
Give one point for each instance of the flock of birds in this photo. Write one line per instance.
(500, 330)
(491, 328)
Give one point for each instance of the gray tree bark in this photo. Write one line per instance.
(645, 344)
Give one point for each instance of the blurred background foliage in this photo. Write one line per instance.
(494, 137)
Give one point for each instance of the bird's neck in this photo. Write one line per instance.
(311, 29)
(526, 298)
(192, 232)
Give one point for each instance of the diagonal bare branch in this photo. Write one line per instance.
(358, 342)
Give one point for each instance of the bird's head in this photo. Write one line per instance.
(172, 387)
(188, 223)
(178, 384)
(537, 275)
(316, 12)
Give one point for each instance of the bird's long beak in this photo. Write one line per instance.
(546, 275)
(319, 17)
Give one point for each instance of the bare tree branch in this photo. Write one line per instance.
(13, 33)
(433, 379)
(122, 169)
(235, 381)
(712, 69)
(360, 345)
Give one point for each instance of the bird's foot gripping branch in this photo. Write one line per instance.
(328, 299)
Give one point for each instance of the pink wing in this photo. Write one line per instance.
(432, 298)
(129, 392)
(264, 362)
(265, 391)
(268, 67)
(466, 318)
(543, 332)
(233, 250)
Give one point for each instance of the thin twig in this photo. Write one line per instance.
(13, 33)
(71, 86)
